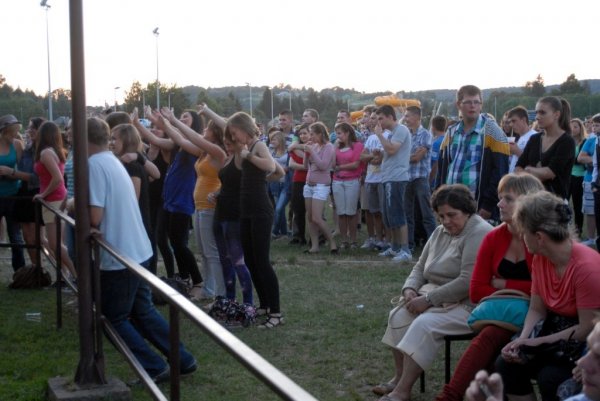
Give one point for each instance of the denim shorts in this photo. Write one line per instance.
(392, 204)
(316, 191)
(588, 199)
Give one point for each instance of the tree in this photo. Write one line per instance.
(535, 88)
(571, 85)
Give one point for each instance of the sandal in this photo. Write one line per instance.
(274, 320)
(384, 388)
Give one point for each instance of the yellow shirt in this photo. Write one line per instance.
(207, 182)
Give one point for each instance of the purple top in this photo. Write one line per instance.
(319, 164)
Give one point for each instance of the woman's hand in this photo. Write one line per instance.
(202, 108)
(134, 116)
(512, 351)
(212, 198)
(5, 170)
(167, 113)
(417, 305)
(37, 197)
(498, 283)
(409, 294)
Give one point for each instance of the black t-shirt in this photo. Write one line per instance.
(559, 158)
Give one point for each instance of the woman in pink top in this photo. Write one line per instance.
(565, 294)
(50, 167)
(346, 182)
(318, 160)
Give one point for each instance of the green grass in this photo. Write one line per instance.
(327, 345)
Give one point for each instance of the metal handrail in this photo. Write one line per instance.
(277, 381)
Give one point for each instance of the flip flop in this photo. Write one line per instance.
(383, 388)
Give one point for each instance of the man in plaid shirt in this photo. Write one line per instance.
(474, 152)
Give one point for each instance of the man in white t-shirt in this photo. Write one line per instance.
(519, 124)
(114, 211)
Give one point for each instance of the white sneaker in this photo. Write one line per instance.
(388, 252)
(403, 257)
(369, 243)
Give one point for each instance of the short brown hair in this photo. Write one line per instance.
(456, 196)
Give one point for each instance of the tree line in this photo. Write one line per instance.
(267, 102)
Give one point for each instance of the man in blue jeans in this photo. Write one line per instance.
(418, 191)
(126, 300)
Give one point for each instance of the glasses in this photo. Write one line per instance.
(471, 103)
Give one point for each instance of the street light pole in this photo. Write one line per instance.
(44, 3)
(271, 90)
(116, 104)
(155, 32)
(250, 87)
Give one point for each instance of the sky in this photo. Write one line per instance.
(387, 45)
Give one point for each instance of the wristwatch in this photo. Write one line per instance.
(428, 300)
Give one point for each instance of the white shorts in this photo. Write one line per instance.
(345, 194)
(316, 191)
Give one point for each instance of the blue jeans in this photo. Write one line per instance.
(127, 304)
(207, 247)
(418, 193)
(14, 232)
(279, 191)
(227, 236)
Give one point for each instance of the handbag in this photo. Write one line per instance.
(505, 308)
(562, 352)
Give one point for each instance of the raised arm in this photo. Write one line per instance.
(184, 136)
(203, 109)
(145, 133)
(260, 157)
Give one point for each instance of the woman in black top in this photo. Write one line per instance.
(550, 155)
(256, 213)
(226, 225)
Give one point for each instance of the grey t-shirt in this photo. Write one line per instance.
(395, 167)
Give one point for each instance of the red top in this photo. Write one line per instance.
(60, 192)
(491, 252)
(579, 286)
(299, 175)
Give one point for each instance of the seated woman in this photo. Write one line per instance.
(565, 292)
(417, 327)
(502, 262)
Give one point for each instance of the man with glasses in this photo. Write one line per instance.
(474, 152)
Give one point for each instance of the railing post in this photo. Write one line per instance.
(174, 356)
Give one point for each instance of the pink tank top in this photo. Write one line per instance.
(45, 177)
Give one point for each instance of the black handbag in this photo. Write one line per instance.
(563, 352)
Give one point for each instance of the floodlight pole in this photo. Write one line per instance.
(44, 3)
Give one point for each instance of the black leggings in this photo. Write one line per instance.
(255, 235)
(576, 193)
(299, 209)
(178, 226)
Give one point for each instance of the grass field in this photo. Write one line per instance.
(335, 309)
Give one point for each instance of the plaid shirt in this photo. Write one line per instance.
(421, 139)
(466, 151)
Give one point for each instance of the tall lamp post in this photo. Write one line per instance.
(271, 90)
(250, 87)
(116, 104)
(155, 32)
(44, 3)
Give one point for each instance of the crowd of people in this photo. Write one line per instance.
(238, 188)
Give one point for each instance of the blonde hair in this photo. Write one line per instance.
(545, 212)
(129, 135)
(520, 183)
(244, 122)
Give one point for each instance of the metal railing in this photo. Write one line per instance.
(277, 381)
